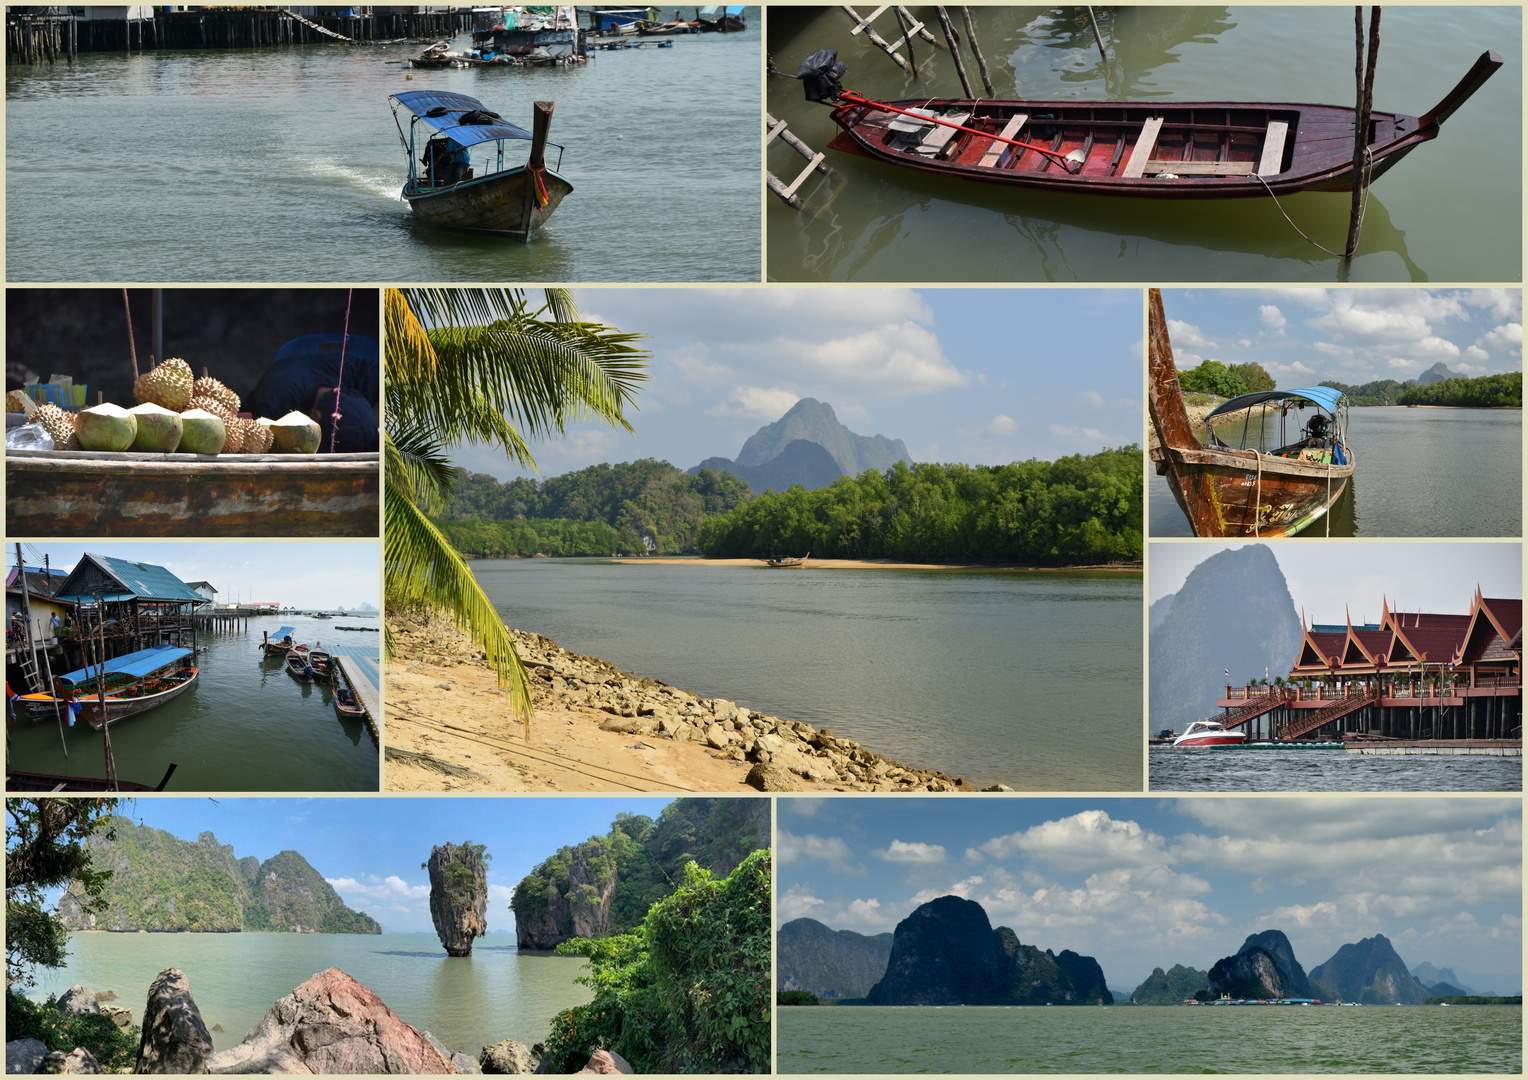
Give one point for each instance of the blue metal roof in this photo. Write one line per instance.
(1324, 396)
(137, 664)
(143, 581)
(449, 122)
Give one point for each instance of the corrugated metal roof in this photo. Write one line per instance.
(145, 581)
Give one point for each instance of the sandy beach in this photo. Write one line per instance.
(596, 728)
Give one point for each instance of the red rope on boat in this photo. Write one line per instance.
(334, 425)
(852, 97)
(538, 174)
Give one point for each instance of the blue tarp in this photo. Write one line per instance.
(420, 102)
(1325, 396)
(712, 11)
(135, 664)
(282, 632)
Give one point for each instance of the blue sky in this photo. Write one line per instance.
(982, 376)
(1306, 336)
(1143, 883)
(294, 574)
(1326, 576)
(370, 850)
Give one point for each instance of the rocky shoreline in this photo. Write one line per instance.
(786, 755)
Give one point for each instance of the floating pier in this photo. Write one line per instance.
(362, 675)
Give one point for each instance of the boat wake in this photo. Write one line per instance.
(369, 182)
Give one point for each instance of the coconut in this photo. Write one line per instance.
(106, 427)
(294, 433)
(201, 432)
(159, 429)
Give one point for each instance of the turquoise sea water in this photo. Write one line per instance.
(466, 1002)
(1132, 1039)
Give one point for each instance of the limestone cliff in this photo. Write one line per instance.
(459, 895)
(1372, 973)
(829, 963)
(1251, 974)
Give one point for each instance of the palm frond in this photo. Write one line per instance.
(423, 569)
(418, 466)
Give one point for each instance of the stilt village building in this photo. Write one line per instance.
(1415, 676)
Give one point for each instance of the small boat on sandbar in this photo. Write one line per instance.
(785, 563)
(445, 188)
(1145, 149)
(1209, 733)
(1273, 481)
(298, 667)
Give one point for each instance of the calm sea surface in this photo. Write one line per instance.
(1235, 769)
(283, 164)
(246, 726)
(1029, 679)
(1421, 472)
(1428, 219)
(1146, 1039)
(466, 1002)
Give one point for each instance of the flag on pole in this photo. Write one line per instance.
(1228, 673)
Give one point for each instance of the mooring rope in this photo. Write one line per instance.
(1362, 209)
(334, 427)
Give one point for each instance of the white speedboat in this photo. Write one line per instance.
(1209, 733)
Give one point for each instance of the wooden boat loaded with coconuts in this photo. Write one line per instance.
(184, 461)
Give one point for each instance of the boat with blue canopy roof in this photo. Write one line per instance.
(134, 683)
(1275, 473)
(450, 188)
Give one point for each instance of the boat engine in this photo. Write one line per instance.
(822, 72)
(1316, 427)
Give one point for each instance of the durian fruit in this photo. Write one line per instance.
(214, 406)
(59, 425)
(233, 440)
(207, 388)
(168, 386)
(18, 401)
(257, 437)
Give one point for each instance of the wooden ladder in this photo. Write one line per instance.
(862, 25)
(28, 666)
(787, 192)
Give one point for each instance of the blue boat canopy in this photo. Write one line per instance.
(281, 632)
(135, 664)
(728, 9)
(1324, 396)
(456, 107)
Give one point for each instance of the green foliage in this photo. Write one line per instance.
(1475, 999)
(1170, 987)
(1378, 392)
(556, 537)
(1064, 512)
(795, 997)
(1213, 377)
(1254, 377)
(1488, 391)
(633, 499)
(688, 991)
(114, 1048)
(46, 846)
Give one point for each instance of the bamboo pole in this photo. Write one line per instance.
(949, 36)
(111, 765)
(981, 62)
(907, 34)
(1365, 80)
(1100, 39)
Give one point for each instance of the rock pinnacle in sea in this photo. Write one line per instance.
(459, 895)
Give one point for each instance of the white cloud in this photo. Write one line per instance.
(1003, 425)
(1270, 315)
(766, 403)
(1188, 334)
(1507, 337)
(912, 852)
(832, 850)
(797, 903)
(1091, 434)
(1091, 839)
(865, 913)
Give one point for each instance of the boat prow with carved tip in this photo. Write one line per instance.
(447, 190)
(1144, 149)
(1272, 478)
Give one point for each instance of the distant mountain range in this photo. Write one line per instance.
(829, 963)
(807, 446)
(1437, 373)
(162, 883)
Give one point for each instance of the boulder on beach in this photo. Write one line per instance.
(24, 1055)
(771, 778)
(175, 1040)
(78, 1060)
(332, 1024)
(607, 1062)
(79, 1001)
(508, 1056)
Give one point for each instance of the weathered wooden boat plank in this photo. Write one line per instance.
(63, 493)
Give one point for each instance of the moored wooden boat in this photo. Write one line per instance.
(149, 694)
(121, 679)
(278, 643)
(787, 563)
(724, 19)
(1247, 491)
(93, 493)
(16, 780)
(321, 663)
(346, 705)
(299, 667)
(448, 193)
(1157, 149)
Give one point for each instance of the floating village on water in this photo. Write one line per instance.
(112, 639)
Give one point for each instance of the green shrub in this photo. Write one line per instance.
(688, 991)
(114, 1048)
(795, 997)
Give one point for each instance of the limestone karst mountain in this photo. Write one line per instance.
(829, 963)
(459, 895)
(1370, 971)
(771, 458)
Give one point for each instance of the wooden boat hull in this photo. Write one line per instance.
(1202, 150)
(501, 203)
(1249, 497)
(66, 493)
(16, 780)
(119, 708)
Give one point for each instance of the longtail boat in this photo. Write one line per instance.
(346, 705)
(16, 780)
(1156, 149)
(442, 188)
(1282, 483)
(98, 493)
(158, 680)
(278, 643)
(121, 678)
(786, 563)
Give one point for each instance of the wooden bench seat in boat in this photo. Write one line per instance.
(997, 151)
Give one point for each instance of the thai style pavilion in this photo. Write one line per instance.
(1411, 676)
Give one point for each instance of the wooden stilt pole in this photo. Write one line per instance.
(1365, 80)
(949, 36)
(976, 50)
(912, 61)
